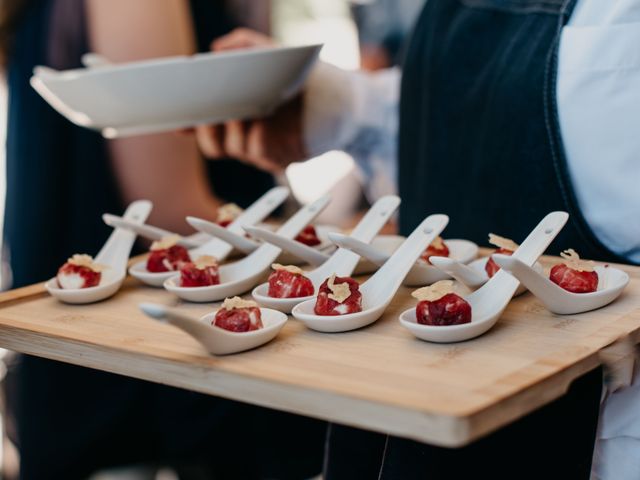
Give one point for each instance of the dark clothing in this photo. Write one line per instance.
(479, 132)
(479, 140)
(71, 420)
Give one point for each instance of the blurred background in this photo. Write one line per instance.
(367, 34)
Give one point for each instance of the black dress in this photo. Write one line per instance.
(70, 420)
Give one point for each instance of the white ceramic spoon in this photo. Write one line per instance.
(378, 291)
(474, 274)
(421, 273)
(154, 233)
(310, 255)
(216, 340)
(238, 277)
(114, 254)
(304, 252)
(216, 247)
(342, 262)
(611, 283)
(488, 302)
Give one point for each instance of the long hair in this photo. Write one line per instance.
(10, 15)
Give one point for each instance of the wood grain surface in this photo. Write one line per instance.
(379, 378)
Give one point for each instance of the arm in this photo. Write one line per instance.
(153, 166)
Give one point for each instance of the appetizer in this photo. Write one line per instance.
(439, 306)
(289, 282)
(227, 214)
(309, 236)
(338, 296)
(437, 249)
(201, 273)
(238, 315)
(574, 275)
(505, 246)
(166, 255)
(80, 271)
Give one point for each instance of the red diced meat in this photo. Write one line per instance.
(238, 319)
(492, 267)
(309, 236)
(328, 306)
(451, 309)
(285, 284)
(167, 259)
(437, 249)
(90, 277)
(574, 281)
(192, 276)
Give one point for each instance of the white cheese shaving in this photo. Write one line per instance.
(501, 242)
(438, 243)
(205, 261)
(165, 243)
(574, 261)
(434, 292)
(237, 302)
(86, 261)
(228, 212)
(288, 268)
(339, 292)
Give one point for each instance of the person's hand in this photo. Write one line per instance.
(269, 143)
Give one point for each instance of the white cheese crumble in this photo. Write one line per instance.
(434, 292)
(165, 243)
(339, 292)
(574, 262)
(86, 261)
(501, 242)
(288, 268)
(237, 302)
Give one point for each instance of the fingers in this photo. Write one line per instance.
(235, 135)
(241, 38)
(211, 140)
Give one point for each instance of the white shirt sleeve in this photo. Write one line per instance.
(357, 112)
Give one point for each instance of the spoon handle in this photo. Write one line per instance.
(190, 325)
(245, 245)
(144, 230)
(385, 282)
(541, 237)
(310, 255)
(375, 219)
(359, 247)
(260, 209)
(115, 252)
(459, 271)
(303, 217)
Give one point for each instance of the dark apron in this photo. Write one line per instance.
(480, 141)
(479, 131)
(71, 420)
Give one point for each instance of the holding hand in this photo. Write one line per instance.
(270, 143)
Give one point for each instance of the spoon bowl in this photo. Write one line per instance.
(379, 290)
(421, 273)
(490, 301)
(114, 255)
(474, 274)
(239, 277)
(611, 283)
(215, 340)
(342, 262)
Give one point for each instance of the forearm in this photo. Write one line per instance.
(167, 168)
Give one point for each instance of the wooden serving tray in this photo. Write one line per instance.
(379, 378)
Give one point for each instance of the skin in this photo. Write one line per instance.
(270, 143)
(125, 30)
